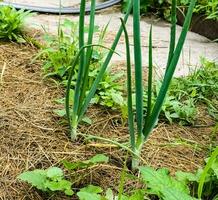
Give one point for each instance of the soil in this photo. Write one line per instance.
(201, 25)
(33, 137)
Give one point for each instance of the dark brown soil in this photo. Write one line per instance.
(32, 136)
(201, 25)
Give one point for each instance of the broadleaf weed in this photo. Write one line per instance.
(12, 23)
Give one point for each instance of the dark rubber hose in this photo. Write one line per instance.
(64, 10)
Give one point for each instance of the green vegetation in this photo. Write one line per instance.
(82, 68)
(162, 185)
(209, 8)
(11, 23)
(95, 160)
(81, 100)
(58, 54)
(185, 185)
(186, 94)
(158, 183)
(145, 124)
(51, 179)
(204, 182)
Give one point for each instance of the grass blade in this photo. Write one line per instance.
(169, 73)
(138, 65)
(103, 32)
(205, 171)
(129, 89)
(122, 182)
(103, 67)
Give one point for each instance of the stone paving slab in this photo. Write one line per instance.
(195, 45)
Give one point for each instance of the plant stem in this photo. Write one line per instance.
(137, 151)
(89, 137)
(74, 125)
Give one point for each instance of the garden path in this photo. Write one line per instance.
(195, 45)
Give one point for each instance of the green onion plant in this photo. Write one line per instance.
(141, 126)
(82, 94)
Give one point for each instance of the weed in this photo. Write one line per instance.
(187, 94)
(11, 23)
(97, 159)
(51, 179)
(205, 181)
(161, 184)
(208, 8)
(58, 55)
(197, 88)
(158, 183)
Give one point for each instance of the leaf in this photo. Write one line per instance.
(138, 195)
(99, 158)
(175, 194)
(122, 197)
(87, 120)
(117, 98)
(74, 165)
(36, 178)
(60, 112)
(159, 182)
(69, 192)
(54, 173)
(186, 177)
(62, 185)
(214, 167)
(109, 194)
(90, 192)
(206, 170)
(49, 179)
(88, 196)
(92, 189)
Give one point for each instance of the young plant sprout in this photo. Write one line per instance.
(145, 125)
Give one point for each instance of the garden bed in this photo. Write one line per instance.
(201, 25)
(33, 137)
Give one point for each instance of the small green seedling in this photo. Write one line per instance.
(51, 179)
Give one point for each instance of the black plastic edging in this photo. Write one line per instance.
(63, 10)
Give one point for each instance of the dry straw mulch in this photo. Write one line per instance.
(32, 136)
